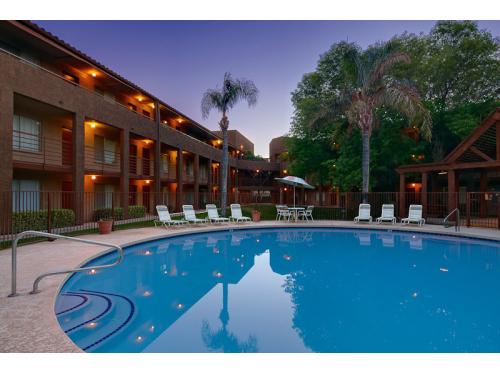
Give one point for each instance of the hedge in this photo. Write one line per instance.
(37, 220)
(107, 213)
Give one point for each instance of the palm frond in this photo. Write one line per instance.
(332, 109)
(212, 99)
(232, 91)
(385, 64)
(405, 98)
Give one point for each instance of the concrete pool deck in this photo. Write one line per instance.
(28, 323)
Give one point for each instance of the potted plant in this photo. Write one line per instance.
(255, 215)
(105, 225)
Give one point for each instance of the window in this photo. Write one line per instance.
(132, 107)
(165, 159)
(25, 195)
(104, 149)
(26, 134)
(146, 113)
(189, 168)
(103, 195)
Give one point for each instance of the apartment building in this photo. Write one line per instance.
(69, 124)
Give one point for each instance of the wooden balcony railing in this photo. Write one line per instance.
(30, 150)
(141, 166)
(101, 161)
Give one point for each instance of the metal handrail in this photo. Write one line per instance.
(457, 220)
(56, 236)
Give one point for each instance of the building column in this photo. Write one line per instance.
(424, 200)
(179, 196)
(157, 158)
(196, 170)
(452, 190)
(125, 171)
(209, 182)
(6, 172)
(78, 172)
(402, 195)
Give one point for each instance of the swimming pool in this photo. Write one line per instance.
(290, 290)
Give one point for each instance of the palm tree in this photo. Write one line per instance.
(232, 91)
(374, 87)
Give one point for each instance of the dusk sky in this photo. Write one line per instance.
(179, 60)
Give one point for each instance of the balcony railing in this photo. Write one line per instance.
(141, 166)
(31, 149)
(101, 161)
(188, 176)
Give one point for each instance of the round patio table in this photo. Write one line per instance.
(295, 211)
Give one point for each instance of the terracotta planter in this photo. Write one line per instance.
(105, 226)
(255, 215)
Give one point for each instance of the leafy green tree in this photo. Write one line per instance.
(456, 67)
(456, 105)
(223, 99)
(373, 87)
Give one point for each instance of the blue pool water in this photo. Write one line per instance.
(290, 290)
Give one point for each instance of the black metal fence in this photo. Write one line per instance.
(73, 212)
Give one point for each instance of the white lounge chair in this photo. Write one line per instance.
(387, 214)
(190, 215)
(307, 213)
(236, 213)
(213, 214)
(164, 218)
(363, 213)
(414, 215)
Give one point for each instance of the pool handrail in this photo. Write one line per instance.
(457, 219)
(57, 236)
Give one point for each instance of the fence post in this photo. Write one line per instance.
(498, 211)
(112, 209)
(467, 208)
(49, 216)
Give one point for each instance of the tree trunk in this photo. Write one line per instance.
(224, 124)
(365, 137)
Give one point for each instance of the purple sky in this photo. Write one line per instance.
(178, 60)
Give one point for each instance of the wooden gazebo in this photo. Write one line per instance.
(476, 158)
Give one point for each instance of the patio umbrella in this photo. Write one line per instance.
(294, 181)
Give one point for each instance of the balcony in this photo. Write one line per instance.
(188, 176)
(99, 161)
(32, 151)
(203, 176)
(143, 167)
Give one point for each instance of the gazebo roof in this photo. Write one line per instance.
(481, 149)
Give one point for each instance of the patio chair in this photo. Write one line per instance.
(236, 213)
(387, 214)
(282, 212)
(213, 214)
(190, 215)
(307, 213)
(164, 218)
(414, 215)
(363, 213)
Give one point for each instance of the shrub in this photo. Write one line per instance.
(136, 211)
(37, 220)
(103, 213)
(61, 218)
(107, 213)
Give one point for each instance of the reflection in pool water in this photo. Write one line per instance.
(290, 290)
